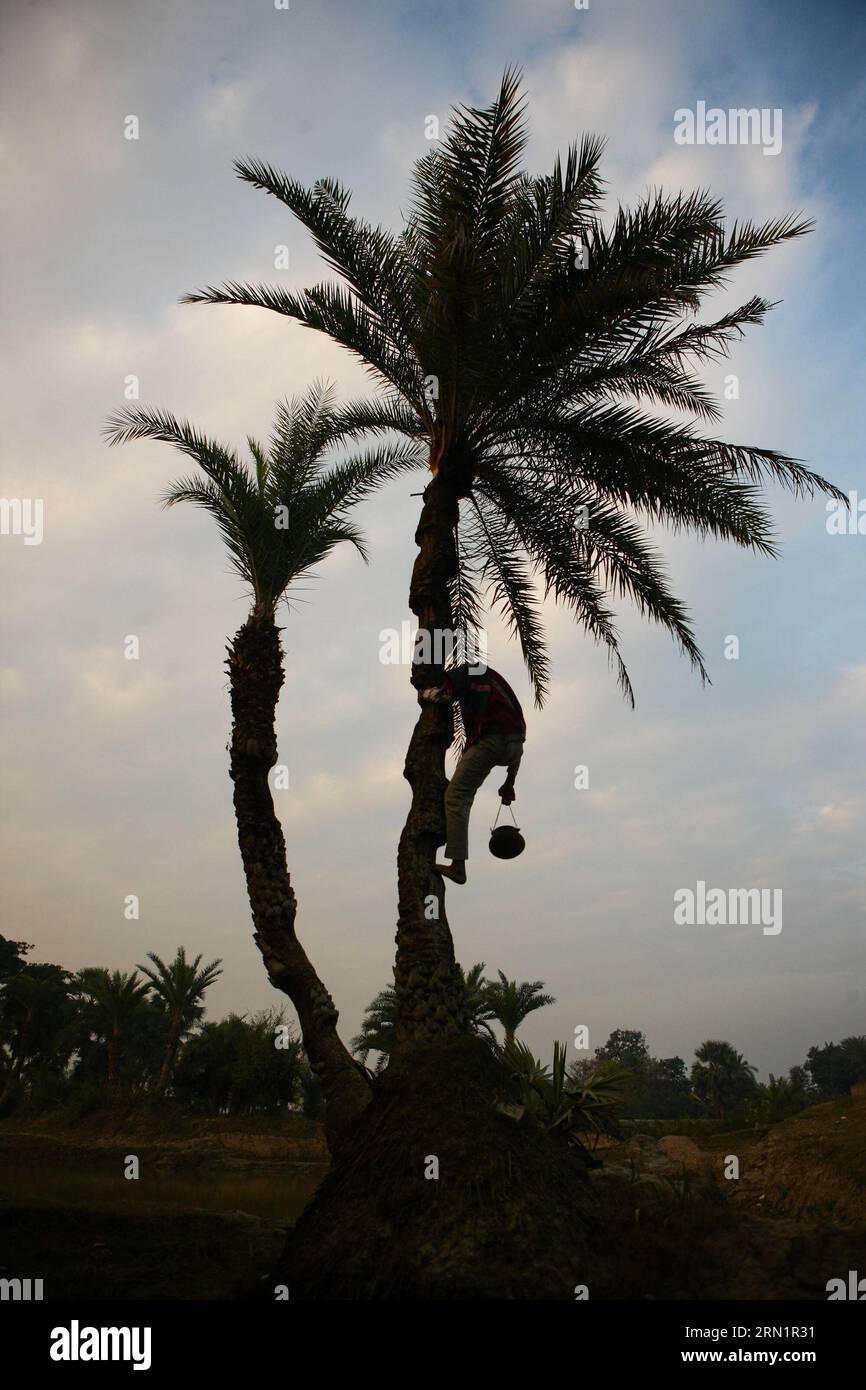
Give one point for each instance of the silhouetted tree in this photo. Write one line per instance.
(722, 1078)
(510, 1003)
(279, 518)
(180, 986)
(111, 999)
(836, 1067)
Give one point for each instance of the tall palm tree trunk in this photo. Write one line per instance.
(256, 676)
(430, 1001)
(373, 1229)
(167, 1069)
(113, 1051)
(16, 1065)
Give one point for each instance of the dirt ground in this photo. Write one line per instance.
(164, 1135)
(674, 1226)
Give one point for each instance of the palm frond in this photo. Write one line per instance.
(546, 369)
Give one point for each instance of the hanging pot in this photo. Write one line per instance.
(506, 841)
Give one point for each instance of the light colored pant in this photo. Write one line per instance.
(478, 760)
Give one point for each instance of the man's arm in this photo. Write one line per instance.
(506, 791)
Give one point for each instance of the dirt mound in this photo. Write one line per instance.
(438, 1195)
(812, 1166)
(678, 1230)
(685, 1151)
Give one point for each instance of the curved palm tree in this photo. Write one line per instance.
(112, 998)
(517, 337)
(181, 986)
(278, 518)
(509, 1003)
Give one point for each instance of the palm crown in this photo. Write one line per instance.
(284, 513)
(720, 1074)
(514, 334)
(113, 996)
(510, 1002)
(181, 984)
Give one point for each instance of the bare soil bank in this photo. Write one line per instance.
(162, 1135)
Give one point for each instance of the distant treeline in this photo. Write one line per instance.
(79, 1038)
(722, 1084)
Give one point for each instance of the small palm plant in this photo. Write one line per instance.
(181, 986)
(378, 1029)
(565, 1106)
(111, 1000)
(279, 517)
(476, 1001)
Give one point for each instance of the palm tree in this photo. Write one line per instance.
(509, 1003)
(181, 986)
(721, 1077)
(516, 337)
(112, 1000)
(378, 1028)
(278, 519)
(475, 999)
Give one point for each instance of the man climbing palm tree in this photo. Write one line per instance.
(495, 733)
(542, 390)
(542, 393)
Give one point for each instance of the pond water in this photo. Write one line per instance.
(279, 1196)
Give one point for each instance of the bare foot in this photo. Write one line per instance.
(455, 871)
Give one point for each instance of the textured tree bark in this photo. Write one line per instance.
(507, 1216)
(256, 676)
(429, 994)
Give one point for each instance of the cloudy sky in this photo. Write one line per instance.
(115, 771)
